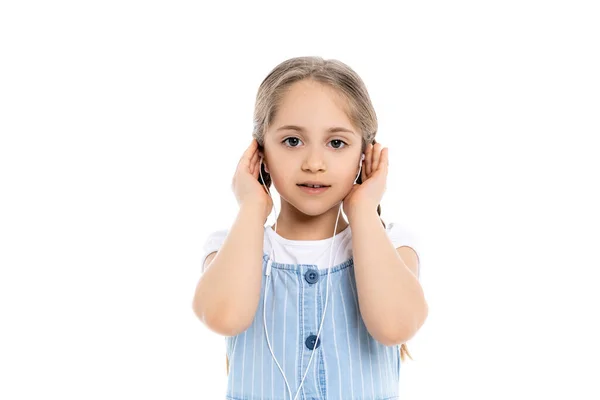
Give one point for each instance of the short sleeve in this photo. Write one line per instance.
(400, 236)
(213, 243)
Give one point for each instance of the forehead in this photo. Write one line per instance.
(313, 105)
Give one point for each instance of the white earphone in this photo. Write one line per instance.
(268, 274)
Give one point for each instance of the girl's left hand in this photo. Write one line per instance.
(374, 172)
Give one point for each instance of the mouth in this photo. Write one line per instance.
(313, 189)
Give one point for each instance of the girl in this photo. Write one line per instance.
(308, 315)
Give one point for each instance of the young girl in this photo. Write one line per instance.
(313, 307)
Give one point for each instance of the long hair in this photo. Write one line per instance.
(332, 73)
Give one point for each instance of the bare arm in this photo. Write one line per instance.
(390, 297)
(227, 294)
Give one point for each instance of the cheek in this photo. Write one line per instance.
(346, 176)
(281, 179)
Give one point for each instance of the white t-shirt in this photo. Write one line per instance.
(315, 252)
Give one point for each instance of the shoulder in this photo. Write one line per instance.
(401, 235)
(407, 245)
(212, 243)
(216, 237)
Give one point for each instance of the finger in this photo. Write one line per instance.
(247, 156)
(250, 150)
(363, 171)
(387, 157)
(257, 168)
(369, 155)
(253, 162)
(384, 160)
(376, 157)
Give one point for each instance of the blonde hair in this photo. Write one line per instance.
(336, 75)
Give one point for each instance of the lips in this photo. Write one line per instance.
(313, 183)
(313, 190)
(313, 186)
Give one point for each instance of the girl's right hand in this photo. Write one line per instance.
(245, 185)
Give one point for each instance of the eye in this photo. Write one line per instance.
(337, 145)
(338, 140)
(291, 138)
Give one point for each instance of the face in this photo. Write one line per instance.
(302, 145)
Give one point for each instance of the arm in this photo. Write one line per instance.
(390, 297)
(228, 292)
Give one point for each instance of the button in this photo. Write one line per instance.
(310, 342)
(311, 276)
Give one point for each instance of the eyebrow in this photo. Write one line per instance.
(301, 129)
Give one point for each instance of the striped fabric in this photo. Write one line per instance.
(348, 363)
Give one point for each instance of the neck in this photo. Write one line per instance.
(292, 224)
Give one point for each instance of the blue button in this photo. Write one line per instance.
(311, 276)
(310, 342)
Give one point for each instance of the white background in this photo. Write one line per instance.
(121, 126)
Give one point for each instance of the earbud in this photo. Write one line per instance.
(362, 157)
(261, 163)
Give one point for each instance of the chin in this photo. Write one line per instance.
(314, 206)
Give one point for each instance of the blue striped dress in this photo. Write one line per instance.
(348, 363)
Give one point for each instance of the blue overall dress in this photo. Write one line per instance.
(349, 363)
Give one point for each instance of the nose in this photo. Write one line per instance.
(314, 162)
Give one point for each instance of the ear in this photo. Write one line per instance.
(262, 157)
